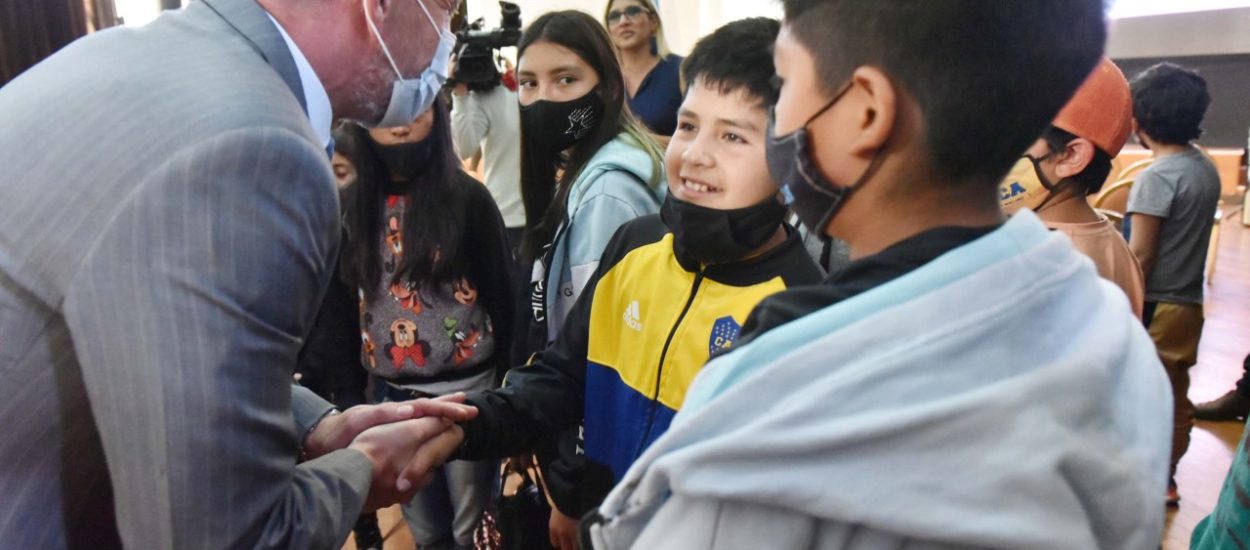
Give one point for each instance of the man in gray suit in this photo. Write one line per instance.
(168, 220)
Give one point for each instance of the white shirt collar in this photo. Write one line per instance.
(320, 114)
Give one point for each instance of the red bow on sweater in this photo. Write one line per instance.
(415, 353)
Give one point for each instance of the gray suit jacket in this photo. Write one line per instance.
(167, 227)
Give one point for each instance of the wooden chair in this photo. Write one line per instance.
(1116, 165)
(1115, 197)
(1214, 248)
(1133, 169)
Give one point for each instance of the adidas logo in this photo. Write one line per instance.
(633, 317)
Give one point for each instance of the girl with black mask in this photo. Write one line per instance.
(427, 251)
(587, 166)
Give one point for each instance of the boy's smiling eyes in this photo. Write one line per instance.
(729, 130)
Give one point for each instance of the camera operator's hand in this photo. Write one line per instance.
(460, 88)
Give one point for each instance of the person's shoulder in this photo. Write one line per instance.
(499, 95)
(622, 186)
(472, 191)
(632, 235)
(642, 231)
(614, 178)
(1199, 163)
(465, 178)
(618, 160)
(672, 64)
(794, 264)
(1162, 172)
(1089, 237)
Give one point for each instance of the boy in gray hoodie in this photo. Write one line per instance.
(964, 382)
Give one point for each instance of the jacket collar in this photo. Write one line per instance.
(252, 22)
(747, 272)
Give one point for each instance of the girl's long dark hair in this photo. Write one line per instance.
(544, 197)
(433, 224)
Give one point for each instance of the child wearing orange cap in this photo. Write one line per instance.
(1070, 162)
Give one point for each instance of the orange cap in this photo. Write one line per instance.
(1102, 109)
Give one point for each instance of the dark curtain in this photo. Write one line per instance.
(31, 30)
(101, 14)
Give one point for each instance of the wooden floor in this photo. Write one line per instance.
(1225, 343)
(394, 530)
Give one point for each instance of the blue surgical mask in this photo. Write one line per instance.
(411, 97)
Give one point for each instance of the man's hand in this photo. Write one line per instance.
(337, 431)
(403, 456)
(460, 89)
(430, 455)
(563, 531)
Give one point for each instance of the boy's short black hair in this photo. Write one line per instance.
(989, 75)
(1169, 103)
(737, 57)
(1090, 179)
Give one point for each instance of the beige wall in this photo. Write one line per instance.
(532, 9)
(688, 20)
(1219, 32)
(685, 21)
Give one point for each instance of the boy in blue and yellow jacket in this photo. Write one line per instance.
(670, 292)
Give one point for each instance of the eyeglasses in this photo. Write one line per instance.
(631, 13)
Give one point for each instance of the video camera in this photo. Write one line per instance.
(476, 48)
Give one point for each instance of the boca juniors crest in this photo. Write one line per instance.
(724, 333)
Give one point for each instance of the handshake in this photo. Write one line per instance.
(404, 442)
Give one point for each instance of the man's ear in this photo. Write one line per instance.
(1075, 158)
(876, 101)
(378, 10)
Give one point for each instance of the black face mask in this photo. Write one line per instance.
(813, 198)
(407, 160)
(553, 127)
(713, 236)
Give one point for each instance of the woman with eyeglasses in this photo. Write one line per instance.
(652, 73)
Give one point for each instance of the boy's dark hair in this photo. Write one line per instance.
(737, 57)
(989, 75)
(1090, 179)
(1169, 103)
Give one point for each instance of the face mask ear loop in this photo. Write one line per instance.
(877, 160)
(378, 35)
(845, 88)
(431, 18)
(1052, 191)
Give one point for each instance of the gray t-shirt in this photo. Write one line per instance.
(1184, 190)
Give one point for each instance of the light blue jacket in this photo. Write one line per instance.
(613, 188)
(1002, 396)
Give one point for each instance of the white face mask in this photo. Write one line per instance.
(412, 97)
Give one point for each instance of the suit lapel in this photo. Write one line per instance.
(253, 23)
